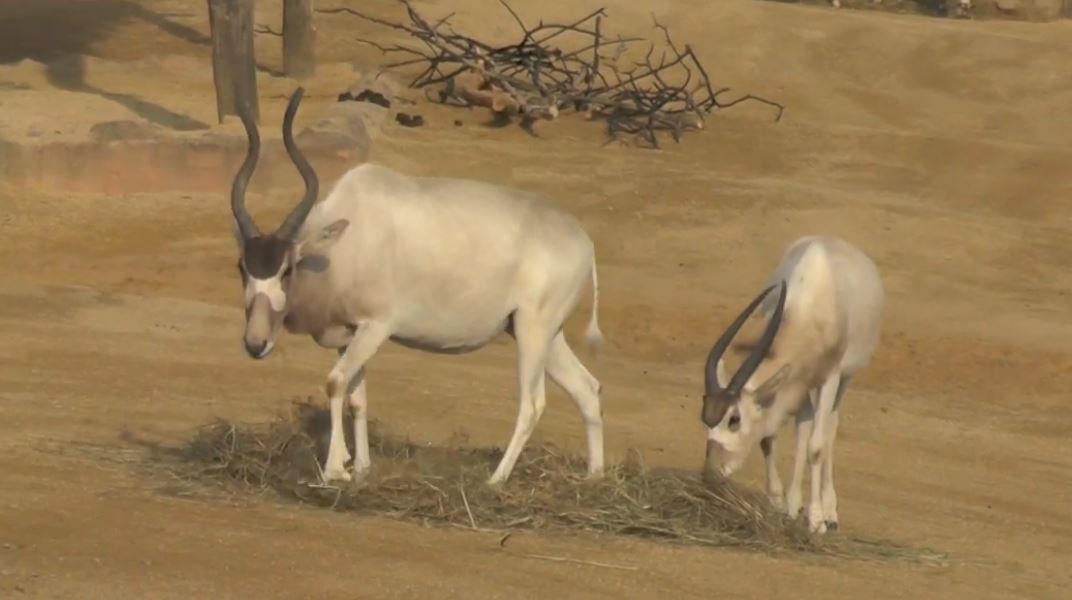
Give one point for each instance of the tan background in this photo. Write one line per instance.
(939, 146)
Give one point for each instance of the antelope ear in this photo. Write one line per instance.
(764, 394)
(332, 232)
(324, 238)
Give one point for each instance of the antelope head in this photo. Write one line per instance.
(734, 408)
(267, 260)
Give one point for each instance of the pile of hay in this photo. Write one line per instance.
(548, 489)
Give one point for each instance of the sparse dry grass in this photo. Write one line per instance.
(548, 490)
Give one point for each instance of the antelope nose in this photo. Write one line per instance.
(712, 464)
(256, 349)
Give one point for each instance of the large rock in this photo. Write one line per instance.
(342, 131)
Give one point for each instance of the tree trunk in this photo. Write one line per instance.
(234, 69)
(299, 39)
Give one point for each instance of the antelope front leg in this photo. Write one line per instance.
(366, 341)
(817, 445)
(794, 498)
(775, 492)
(359, 404)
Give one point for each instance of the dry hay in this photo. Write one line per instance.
(548, 490)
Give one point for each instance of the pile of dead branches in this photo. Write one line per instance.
(535, 79)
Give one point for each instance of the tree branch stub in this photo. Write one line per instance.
(299, 39)
(233, 65)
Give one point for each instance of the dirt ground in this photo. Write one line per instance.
(938, 146)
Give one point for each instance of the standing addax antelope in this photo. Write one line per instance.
(436, 264)
(799, 354)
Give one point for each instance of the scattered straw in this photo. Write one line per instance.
(548, 490)
(591, 563)
(468, 510)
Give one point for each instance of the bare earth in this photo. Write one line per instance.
(940, 147)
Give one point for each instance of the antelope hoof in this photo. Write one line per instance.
(831, 525)
(361, 472)
(336, 473)
(816, 525)
(793, 507)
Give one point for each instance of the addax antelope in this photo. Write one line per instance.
(799, 354)
(437, 264)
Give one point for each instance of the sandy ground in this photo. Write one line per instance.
(938, 146)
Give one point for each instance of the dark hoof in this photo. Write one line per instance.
(831, 526)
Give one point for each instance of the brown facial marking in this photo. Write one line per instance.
(264, 255)
(715, 407)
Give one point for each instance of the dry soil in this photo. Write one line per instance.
(940, 147)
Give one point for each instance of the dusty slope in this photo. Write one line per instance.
(940, 147)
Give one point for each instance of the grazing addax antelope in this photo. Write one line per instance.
(436, 264)
(800, 352)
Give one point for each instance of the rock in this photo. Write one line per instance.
(407, 120)
(343, 130)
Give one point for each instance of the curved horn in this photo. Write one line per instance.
(246, 227)
(294, 220)
(711, 384)
(765, 341)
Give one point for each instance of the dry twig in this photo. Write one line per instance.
(577, 561)
(468, 510)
